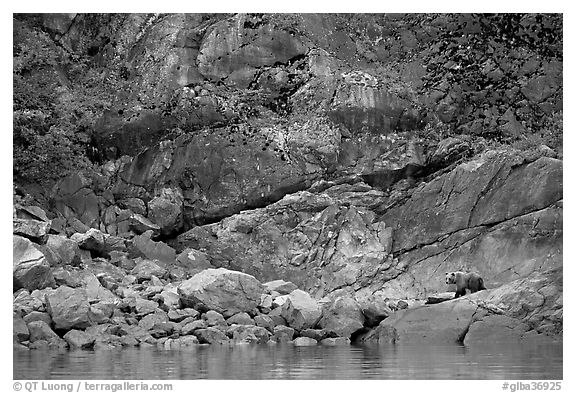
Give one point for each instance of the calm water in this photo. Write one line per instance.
(288, 362)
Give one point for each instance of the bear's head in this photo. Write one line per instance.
(451, 278)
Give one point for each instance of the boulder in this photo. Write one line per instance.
(266, 302)
(143, 246)
(214, 318)
(524, 310)
(342, 316)
(264, 321)
(180, 315)
(38, 316)
(24, 303)
(20, 330)
(211, 335)
(375, 309)
(78, 339)
(92, 240)
(193, 261)
(39, 330)
(304, 342)
(68, 308)
(316, 334)
(143, 306)
(148, 321)
(241, 318)
(248, 334)
(145, 269)
(281, 286)
(166, 211)
(301, 311)
(32, 229)
(31, 270)
(67, 250)
(191, 327)
(335, 341)
(31, 213)
(225, 291)
(283, 334)
(133, 222)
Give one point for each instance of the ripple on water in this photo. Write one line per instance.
(289, 362)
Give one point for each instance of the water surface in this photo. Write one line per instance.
(289, 362)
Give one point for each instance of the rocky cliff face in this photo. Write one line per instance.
(355, 155)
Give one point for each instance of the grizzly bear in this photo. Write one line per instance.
(463, 281)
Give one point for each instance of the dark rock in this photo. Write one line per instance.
(166, 211)
(19, 329)
(211, 335)
(439, 297)
(276, 316)
(225, 291)
(283, 334)
(316, 334)
(264, 321)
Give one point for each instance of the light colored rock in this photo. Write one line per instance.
(281, 286)
(145, 269)
(39, 330)
(225, 291)
(300, 310)
(147, 248)
(68, 308)
(30, 269)
(335, 341)
(78, 339)
(214, 318)
(342, 316)
(241, 318)
(31, 229)
(211, 335)
(304, 342)
(66, 249)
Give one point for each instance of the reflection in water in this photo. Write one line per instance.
(289, 362)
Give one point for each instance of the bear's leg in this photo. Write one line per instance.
(460, 292)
